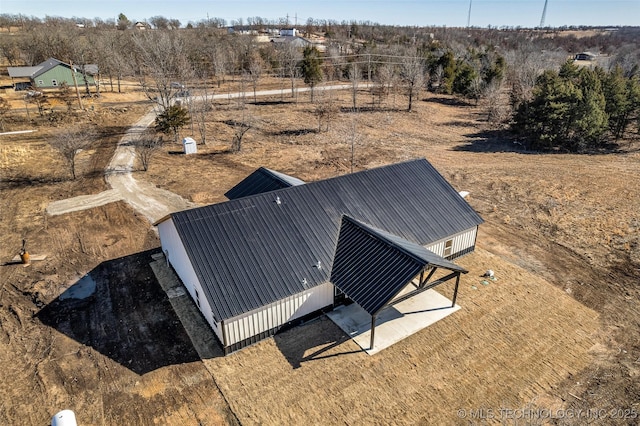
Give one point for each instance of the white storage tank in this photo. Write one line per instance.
(64, 418)
(190, 146)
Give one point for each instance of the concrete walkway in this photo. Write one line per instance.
(153, 202)
(83, 202)
(195, 325)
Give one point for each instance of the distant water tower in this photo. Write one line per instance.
(64, 418)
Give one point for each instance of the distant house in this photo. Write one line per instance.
(51, 74)
(282, 250)
(296, 41)
(288, 32)
(140, 26)
(242, 29)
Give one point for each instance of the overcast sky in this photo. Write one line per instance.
(512, 13)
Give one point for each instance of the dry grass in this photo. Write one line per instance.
(511, 344)
(562, 232)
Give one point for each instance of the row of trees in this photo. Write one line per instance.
(472, 63)
(579, 109)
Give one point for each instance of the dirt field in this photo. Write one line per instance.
(559, 329)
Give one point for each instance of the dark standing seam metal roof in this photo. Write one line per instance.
(260, 181)
(372, 266)
(253, 251)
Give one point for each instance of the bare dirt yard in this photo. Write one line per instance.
(558, 330)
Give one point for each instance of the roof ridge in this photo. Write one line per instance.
(380, 234)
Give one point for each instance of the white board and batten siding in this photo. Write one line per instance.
(277, 314)
(176, 254)
(459, 243)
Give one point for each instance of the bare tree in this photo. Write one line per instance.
(412, 75)
(10, 49)
(240, 129)
(524, 67)
(159, 22)
(112, 62)
(217, 58)
(4, 110)
(67, 96)
(162, 64)
(146, 145)
(354, 77)
(290, 57)
(497, 105)
(326, 109)
(245, 123)
(200, 109)
(38, 98)
(255, 71)
(353, 136)
(388, 76)
(69, 142)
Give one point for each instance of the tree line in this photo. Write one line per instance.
(516, 74)
(579, 108)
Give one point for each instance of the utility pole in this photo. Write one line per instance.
(469, 15)
(75, 83)
(544, 14)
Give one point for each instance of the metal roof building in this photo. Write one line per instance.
(52, 73)
(262, 180)
(283, 251)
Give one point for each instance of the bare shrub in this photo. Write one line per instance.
(146, 145)
(69, 142)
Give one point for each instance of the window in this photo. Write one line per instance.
(197, 299)
(54, 82)
(448, 248)
(40, 82)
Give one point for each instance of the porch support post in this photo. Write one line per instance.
(455, 291)
(373, 331)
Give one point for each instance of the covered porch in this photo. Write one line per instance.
(391, 282)
(393, 323)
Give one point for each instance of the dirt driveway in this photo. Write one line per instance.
(153, 202)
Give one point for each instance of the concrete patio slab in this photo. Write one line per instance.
(394, 323)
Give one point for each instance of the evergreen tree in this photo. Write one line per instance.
(618, 103)
(123, 22)
(463, 82)
(633, 93)
(311, 67)
(171, 120)
(545, 120)
(448, 64)
(590, 118)
(568, 110)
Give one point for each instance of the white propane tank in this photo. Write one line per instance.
(64, 418)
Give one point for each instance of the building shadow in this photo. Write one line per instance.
(500, 141)
(120, 310)
(493, 141)
(317, 339)
(449, 100)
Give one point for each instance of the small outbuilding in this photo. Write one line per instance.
(190, 146)
(267, 260)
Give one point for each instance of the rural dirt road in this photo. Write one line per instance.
(149, 200)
